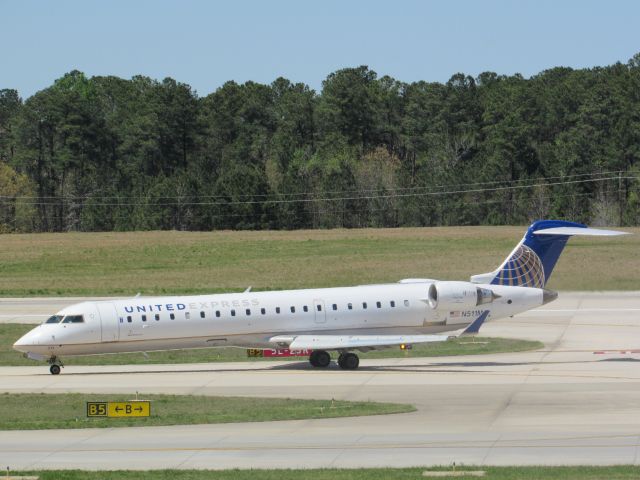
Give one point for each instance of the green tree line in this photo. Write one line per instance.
(105, 153)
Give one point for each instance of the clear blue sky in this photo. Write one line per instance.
(205, 43)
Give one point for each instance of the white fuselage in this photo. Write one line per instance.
(251, 319)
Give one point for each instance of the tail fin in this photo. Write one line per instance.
(530, 264)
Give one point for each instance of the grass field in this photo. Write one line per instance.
(26, 412)
(624, 472)
(209, 262)
(9, 333)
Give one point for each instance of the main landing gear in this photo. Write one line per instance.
(346, 360)
(55, 365)
(319, 358)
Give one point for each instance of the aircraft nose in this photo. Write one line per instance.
(28, 340)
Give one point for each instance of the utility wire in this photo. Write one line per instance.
(339, 192)
(515, 202)
(332, 199)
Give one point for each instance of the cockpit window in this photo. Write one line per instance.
(54, 319)
(73, 319)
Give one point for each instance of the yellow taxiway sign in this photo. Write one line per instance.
(134, 408)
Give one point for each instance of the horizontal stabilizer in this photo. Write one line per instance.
(339, 342)
(570, 231)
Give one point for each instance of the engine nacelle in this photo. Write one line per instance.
(458, 295)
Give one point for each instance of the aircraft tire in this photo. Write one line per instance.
(54, 369)
(322, 359)
(349, 361)
(313, 359)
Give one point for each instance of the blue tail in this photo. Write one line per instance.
(531, 262)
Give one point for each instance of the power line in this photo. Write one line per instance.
(58, 201)
(330, 192)
(516, 202)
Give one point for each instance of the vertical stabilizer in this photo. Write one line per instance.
(531, 263)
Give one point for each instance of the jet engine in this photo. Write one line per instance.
(458, 295)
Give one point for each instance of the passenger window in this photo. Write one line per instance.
(248, 311)
(305, 308)
(319, 307)
(144, 318)
(350, 306)
(172, 316)
(128, 319)
(75, 319)
(233, 313)
(187, 315)
(201, 314)
(335, 307)
(157, 316)
(277, 309)
(364, 305)
(393, 304)
(378, 304)
(406, 303)
(293, 309)
(218, 313)
(263, 311)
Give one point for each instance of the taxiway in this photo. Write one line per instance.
(577, 401)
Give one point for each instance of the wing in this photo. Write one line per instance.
(367, 342)
(364, 342)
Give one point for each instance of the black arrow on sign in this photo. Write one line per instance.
(119, 409)
(139, 409)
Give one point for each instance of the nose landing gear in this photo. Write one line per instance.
(55, 365)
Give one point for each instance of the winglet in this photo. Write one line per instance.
(474, 327)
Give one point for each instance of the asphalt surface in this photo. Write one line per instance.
(37, 309)
(577, 401)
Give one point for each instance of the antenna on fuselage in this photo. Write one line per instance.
(247, 290)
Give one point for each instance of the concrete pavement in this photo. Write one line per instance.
(577, 401)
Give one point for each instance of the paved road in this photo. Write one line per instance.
(576, 401)
(35, 310)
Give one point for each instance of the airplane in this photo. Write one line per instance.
(323, 320)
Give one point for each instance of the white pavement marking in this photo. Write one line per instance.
(35, 310)
(562, 405)
(546, 311)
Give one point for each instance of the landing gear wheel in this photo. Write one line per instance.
(312, 359)
(348, 361)
(320, 358)
(54, 365)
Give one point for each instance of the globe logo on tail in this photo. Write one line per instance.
(523, 269)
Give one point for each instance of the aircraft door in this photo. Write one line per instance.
(109, 319)
(319, 311)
